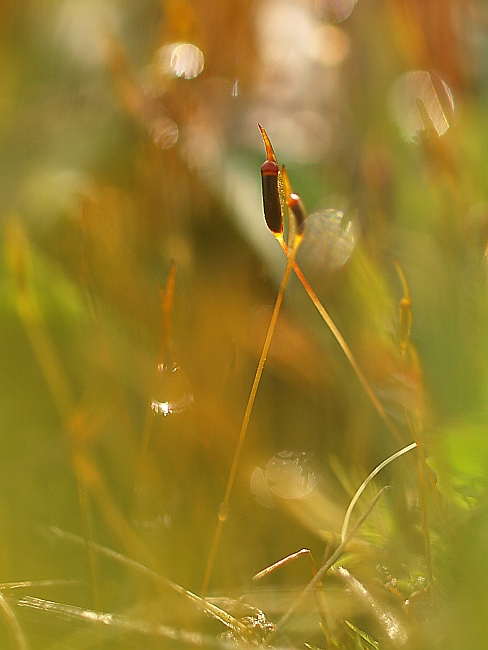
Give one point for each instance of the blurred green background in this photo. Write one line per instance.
(137, 274)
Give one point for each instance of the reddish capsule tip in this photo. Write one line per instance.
(270, 168)
(295, 204)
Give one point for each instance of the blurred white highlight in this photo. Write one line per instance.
(329, 241)
(287, 476)
(329, 45)
(185, 60)
(81, 27)
(334, 10)
(419, 101)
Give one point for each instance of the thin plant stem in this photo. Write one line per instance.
(112, 625)
(280, 563)
(425, 524)
(13, 624)
(322, 571)
(422, 470)
(346, 536)
(344, 347)
(408, 351)
(366, 482)
(319, 595)
(224, 506)
(216, 612)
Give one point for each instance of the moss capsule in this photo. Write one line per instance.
(271, 197)
(295, 204)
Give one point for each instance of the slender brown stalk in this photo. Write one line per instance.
(224, 506)
(345, 348)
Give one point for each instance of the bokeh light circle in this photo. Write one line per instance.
(187, 61)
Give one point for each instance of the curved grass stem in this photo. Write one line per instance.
(213, 610)
(346, 536)
(344, 347)
(366, 482)
(323, 570)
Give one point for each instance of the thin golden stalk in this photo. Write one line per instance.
(345, 348)
(224, 506)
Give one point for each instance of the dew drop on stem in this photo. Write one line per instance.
(172, 391)
(329, 240)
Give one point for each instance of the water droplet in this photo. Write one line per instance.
(173, 391)
(154, 526)
(223, 511)
(187, 61)
(161, 407)
(419, 101)
(329, 240)
(164, 132)
(180, 60)
(334, 10)
(287, 475)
